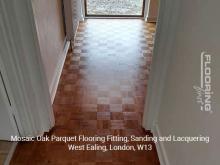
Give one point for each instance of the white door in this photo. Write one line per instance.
(7, 122)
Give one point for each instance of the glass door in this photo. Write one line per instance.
(115, 8)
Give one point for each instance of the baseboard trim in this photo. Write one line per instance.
(160, 147)
(10, 154)
(58, 71)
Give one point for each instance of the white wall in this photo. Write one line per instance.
(50, 30)
(77, 12)
(197, 30)
(68, 18)
(74, 12)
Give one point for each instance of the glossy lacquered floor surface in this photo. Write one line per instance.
(101, 91)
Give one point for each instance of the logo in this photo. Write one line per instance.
(204, 91)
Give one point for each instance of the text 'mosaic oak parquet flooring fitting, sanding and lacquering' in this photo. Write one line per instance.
(101, 91)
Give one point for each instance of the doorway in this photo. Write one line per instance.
(114, 8)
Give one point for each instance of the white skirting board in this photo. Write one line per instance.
(160, 147)
(58, 71)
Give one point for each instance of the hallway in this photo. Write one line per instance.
(101, 91)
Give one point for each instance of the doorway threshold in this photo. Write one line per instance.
(112, 17)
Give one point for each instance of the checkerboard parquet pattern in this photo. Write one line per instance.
(101, 91)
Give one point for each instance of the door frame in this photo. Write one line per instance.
(115, 16)
(166, 25)
(24, 68)
(9, 102)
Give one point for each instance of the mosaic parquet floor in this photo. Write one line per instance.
(101, 91)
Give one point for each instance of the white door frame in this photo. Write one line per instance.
(146, 9)
(166, 25)
(21, 56)
(9, 102)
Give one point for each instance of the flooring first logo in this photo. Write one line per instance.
(204, 91)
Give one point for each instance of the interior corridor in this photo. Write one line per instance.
(101, 91)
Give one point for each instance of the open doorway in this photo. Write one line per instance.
(102, 86)
(114, 8)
